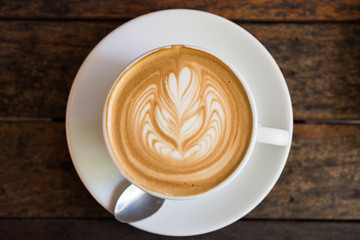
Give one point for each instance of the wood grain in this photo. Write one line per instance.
(320, 64)
(259, 10)
(110, 229)
(321, 179)
(37, 175)
(39, 60)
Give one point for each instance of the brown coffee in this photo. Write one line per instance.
(179, 121)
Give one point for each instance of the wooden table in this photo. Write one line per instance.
(317, 46)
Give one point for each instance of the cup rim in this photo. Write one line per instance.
(249, 150)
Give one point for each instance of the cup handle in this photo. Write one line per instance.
(273, 136)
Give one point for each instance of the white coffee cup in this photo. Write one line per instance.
(260, 134)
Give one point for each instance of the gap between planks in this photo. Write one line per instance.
(238, 21)
(241, 219)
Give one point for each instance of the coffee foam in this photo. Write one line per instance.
(179, 121)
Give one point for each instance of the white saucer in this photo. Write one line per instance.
(228, 41)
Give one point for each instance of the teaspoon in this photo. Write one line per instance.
(134, 204)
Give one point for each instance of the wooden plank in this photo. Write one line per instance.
(39, 60)
(321, 179)
(320, 64)
(37, 176)
(259, 10)
(110, 229)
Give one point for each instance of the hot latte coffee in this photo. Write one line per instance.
(178, 121)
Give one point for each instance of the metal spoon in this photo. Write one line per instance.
(134, 204)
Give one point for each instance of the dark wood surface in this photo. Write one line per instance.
(256, 10)
(320, 63)
(109, 229)
(315, 43)
(320, 181)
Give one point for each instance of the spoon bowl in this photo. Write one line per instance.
(134, 204)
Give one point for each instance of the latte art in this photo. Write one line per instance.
(181, 117)
(178, 121)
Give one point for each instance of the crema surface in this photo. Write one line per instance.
(179, 121)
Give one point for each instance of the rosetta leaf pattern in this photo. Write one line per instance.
(182, 117)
